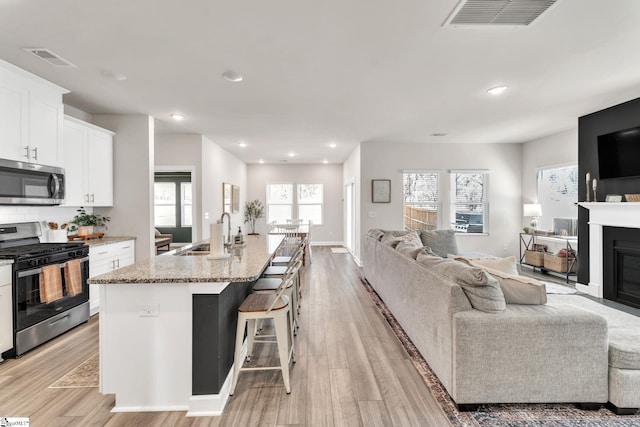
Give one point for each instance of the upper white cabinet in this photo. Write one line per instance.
(31, 114)
(88, 164)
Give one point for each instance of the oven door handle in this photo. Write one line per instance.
(54, 185)
(25, 273)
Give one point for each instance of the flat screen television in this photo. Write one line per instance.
(619, 154)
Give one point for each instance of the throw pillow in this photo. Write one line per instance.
(482, 290)
(376, 233)
(413, 238)
(442, 242)
(507, 265)
(391, 239)
(157, 231)
(409, 249)
(519, 289)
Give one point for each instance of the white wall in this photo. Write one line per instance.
(553, 150)
(132, 211)
(179, 153)
(351, 173)
(388, 160)
(330, 176)
(218, 166)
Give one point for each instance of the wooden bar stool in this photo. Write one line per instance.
(276, 306)
(269, 285)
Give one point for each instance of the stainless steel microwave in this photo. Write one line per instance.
(24, 183)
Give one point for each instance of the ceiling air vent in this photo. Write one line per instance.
(498, 12)
(50, 57)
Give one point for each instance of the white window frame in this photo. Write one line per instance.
(295, 202)
(269, 204)
(485, 200)
(438, 203)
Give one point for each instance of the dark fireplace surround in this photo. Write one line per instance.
(621, 265)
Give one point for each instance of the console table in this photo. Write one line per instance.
(570, 244)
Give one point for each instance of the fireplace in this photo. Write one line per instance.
(621, 265)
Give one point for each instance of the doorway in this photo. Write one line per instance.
(350, 216)
(173, 205)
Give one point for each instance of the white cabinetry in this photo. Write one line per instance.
(88, 163)
(6, 309)
(31, 114)
(104, 259)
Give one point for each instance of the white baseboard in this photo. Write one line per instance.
(212, 405)
(168, 408)
(314, 243)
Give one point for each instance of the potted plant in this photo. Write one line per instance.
(252, 212)
(83, 222)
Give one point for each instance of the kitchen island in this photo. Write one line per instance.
(167, 327)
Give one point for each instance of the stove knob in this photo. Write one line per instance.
(33, 262)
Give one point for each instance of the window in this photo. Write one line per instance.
(185, 194)
(279, 202)
(165, 204)
(470, 201)
(421, 199)
(310, 203)
(306, 205)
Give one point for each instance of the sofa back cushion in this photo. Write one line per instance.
(442, 242)
(482, 290)
(376, 233)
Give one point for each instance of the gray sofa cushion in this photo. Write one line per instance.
(624, 351)
(442, 242)
(409, 250)
(376, 233)
(391, 239)
(483, 291)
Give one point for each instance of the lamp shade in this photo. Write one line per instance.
(532, 209)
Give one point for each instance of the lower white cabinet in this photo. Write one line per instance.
(6, 309)
(105, 259)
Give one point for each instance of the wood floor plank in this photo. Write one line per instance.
(364, 382)
(350, 370)
(345, 408)
(318, 399)
(374, 414)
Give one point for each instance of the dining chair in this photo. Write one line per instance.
(261, 306)
(295, 221)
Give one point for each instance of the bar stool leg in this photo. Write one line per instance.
(237, 362)
(251, 326)
(282, 334)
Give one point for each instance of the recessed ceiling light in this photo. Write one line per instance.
(242, 144)
(177, 116)
(292, 154)
(261, 161)
(333, 145)
(438, 134)
(325, 161)
(232, 76)
(497, 90)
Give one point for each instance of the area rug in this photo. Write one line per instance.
(84, 375)
(497, 415)
(554, 288)
(339, 251)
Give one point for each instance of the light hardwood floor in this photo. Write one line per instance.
(350, 371)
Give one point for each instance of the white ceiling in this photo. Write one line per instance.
(332, 70)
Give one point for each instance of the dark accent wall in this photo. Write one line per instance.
(619, 117)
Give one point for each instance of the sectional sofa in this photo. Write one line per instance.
(485, 350)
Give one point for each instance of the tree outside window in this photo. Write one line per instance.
(421, 199)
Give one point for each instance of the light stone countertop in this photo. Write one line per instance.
(245, 265)
(106, 240)
(5, 262)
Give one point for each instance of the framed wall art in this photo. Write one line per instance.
(381, 191)
(235, 199)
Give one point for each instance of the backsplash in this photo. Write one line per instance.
(42, 214)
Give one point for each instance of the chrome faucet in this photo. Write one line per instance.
(228, 244)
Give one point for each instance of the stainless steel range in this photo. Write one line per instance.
(47, 301)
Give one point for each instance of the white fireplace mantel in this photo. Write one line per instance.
(605, 214)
